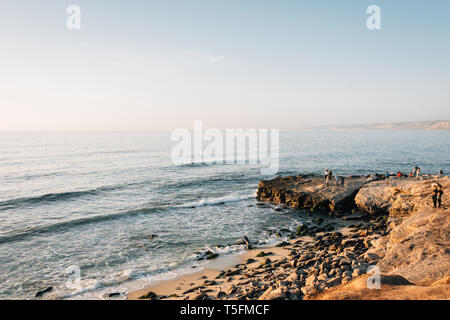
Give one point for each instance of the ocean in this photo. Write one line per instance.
(77, 209)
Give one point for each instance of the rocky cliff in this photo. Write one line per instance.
(417, 246)
(416, 243)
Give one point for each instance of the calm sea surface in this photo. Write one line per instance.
(91, 200)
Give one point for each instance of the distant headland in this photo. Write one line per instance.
(415, 125)
(412, 125)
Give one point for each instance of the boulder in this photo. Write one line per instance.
(292, 277)
(211, 256)
(247, 243)
(370, 256)
(310, 280)
(43, 292)
(277, 294)
(149, 295)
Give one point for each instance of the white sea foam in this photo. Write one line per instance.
(216, 201)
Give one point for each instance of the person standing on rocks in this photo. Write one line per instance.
(436, 194)
(418, 172)
(329, 175)
(325, 174)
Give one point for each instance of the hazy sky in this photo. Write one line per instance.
(160, 65)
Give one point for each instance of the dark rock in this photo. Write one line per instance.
(301, 229)
(283, 244)
(148, 295)
(263, 254)
(395, 280)
(230, 273)
(318, 220)
(212, 256)
(220, 294)
(114, 294)
(200, 296)
(247, 243)
(42, 292)
(193, 289)
(209, 283)
(220, 275)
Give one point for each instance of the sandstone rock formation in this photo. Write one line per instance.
(418, 245)
(396, 196)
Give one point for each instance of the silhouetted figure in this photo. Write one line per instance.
(436, 194)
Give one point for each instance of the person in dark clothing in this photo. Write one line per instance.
(436, 194)
(328, 176)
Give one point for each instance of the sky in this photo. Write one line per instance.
(161, 65)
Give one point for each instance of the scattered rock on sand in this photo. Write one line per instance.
(149, 295)
(211, 256)
(43, 292)
(247, 243)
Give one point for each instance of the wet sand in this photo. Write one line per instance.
(167, 289)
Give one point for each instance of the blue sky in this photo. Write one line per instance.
(160, 65)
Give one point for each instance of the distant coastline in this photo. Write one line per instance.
(417, 125)
(437, 125)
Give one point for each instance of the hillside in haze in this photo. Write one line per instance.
(418, 125)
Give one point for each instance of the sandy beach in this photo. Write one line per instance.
(176, 288)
